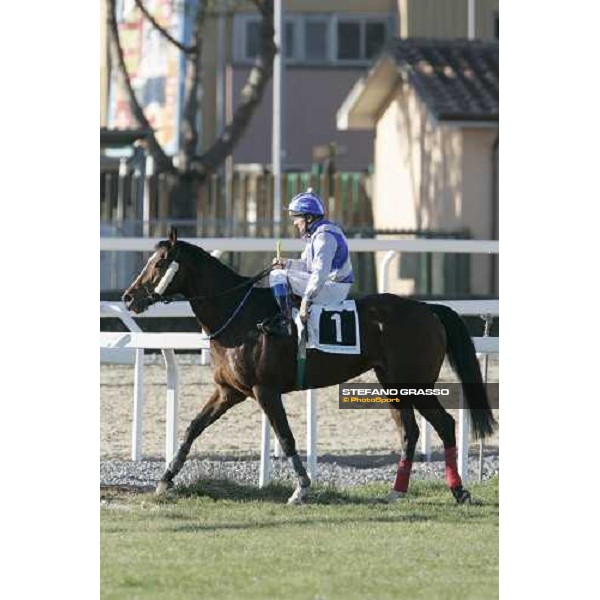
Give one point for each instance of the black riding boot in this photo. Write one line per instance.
(280, 325)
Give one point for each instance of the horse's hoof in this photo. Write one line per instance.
(394, 496)
(298, 497)
(461, 495)
(162, 487)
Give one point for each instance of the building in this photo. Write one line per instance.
(327, 47)
(432, 104)
(448, 19)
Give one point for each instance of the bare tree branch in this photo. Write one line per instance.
(163, 161)
(251, 96)
(185, 49)
(191, 108)
(262, 5)
(189, 165)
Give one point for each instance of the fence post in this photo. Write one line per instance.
(363, 199)
(171, 404)
(146, 208)
(243, 202)
(325, 192)
(219, 213)
(106, 202)
(137, 431)
(488, 319)
(311, 433)
(138, 383)
(463, 439)
(264, 475)
(383, 274)
(426, 439)
(138, 185)
(121, 192)
(163, 202)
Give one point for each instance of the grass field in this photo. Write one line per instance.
(223, 540)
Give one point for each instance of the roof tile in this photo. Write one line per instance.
(457, 79)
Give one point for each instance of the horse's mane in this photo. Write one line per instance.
(199, 254)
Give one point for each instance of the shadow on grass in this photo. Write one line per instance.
(301, 520)
(427, 493)
(428, 503)
(274, 493)
(425, 510)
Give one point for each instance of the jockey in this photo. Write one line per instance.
(322, 275)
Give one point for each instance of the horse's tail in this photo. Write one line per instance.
(463, 359)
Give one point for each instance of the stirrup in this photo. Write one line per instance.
(277, 326)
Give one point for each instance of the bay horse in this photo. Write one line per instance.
(404, 341)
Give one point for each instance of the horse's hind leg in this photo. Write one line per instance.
(445, 427)
(270, 402)
(404, 418)
(409, 434)
(216, 406)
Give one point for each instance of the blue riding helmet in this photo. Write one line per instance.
(306, 203)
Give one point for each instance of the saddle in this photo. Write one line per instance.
(332, 328)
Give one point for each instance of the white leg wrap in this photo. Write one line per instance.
(299, 496)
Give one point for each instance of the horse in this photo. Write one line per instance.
(402, 340)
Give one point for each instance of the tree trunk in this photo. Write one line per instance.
(193, 169)
(183, 197)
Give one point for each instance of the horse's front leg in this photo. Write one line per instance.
(270, 402)
(221, 400)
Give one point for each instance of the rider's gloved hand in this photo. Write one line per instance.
(280, 262)
(304, 309)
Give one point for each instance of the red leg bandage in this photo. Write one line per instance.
(403, 476)
(452, 477)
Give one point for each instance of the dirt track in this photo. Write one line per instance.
(238, 432)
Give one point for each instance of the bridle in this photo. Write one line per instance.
(248, 282)
(157, 294)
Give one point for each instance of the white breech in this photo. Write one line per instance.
(332, 292)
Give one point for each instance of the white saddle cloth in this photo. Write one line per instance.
(333, 328)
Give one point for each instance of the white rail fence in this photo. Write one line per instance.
(297, 245)
(130, 346)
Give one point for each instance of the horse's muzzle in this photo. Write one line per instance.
(134, 304)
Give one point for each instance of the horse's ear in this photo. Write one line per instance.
(173, 235)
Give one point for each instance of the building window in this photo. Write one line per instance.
(375, 37)
(252, 39)
(360, 39)
(348, 40)
(315, 40)
(290, 40)
(252, 48)
(318, 39)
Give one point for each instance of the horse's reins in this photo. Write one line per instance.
(254, 279)
(167, 299)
